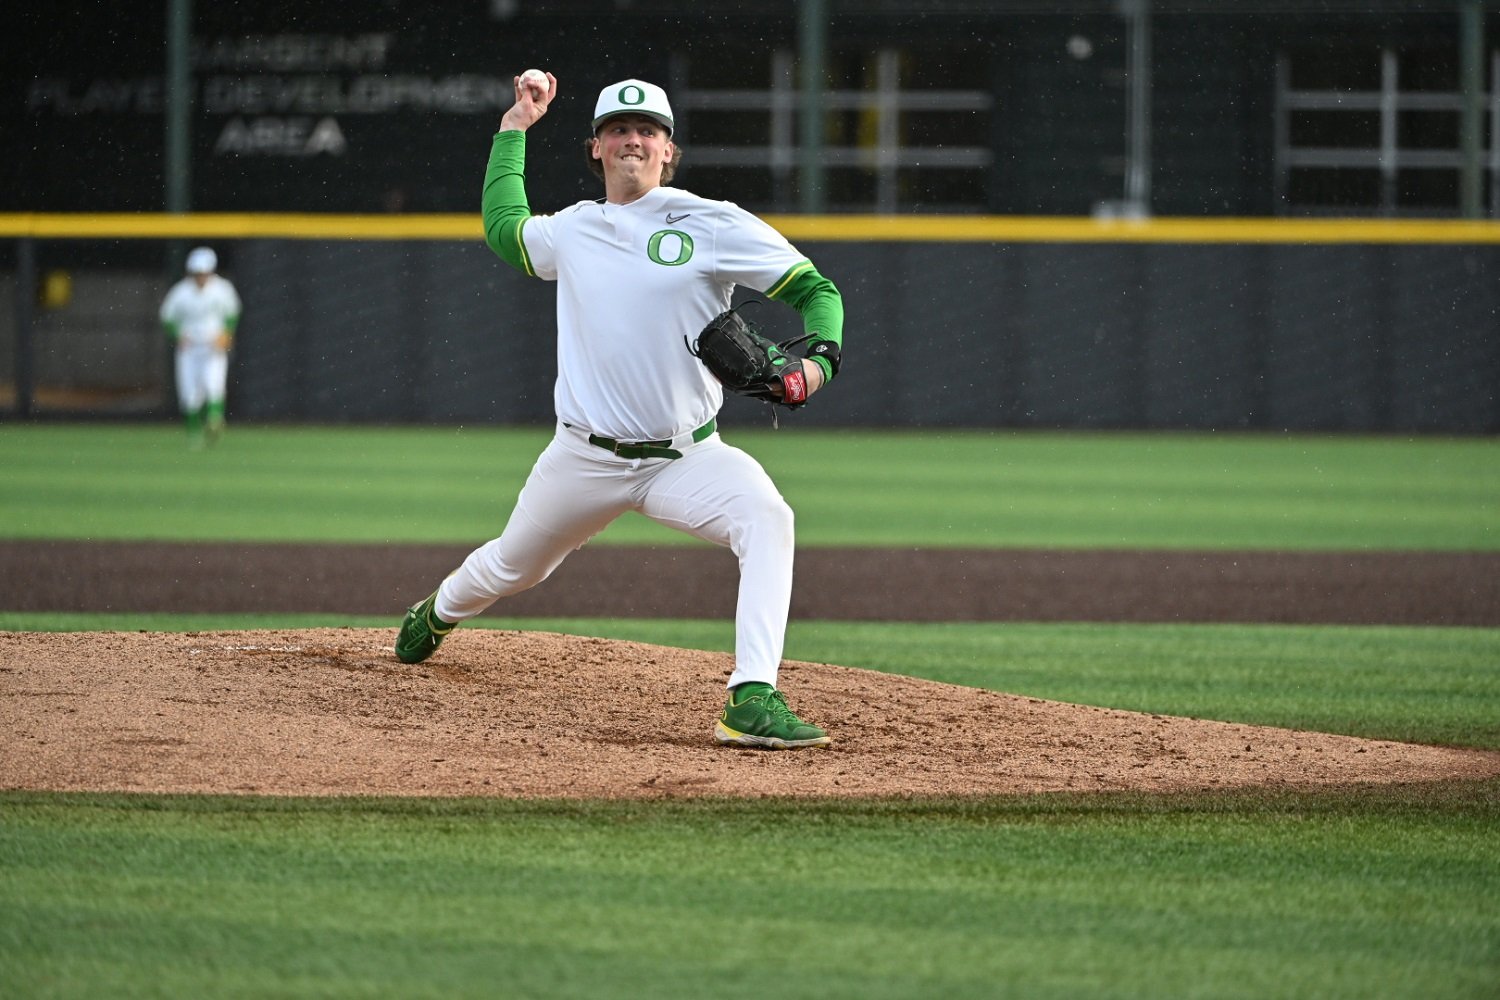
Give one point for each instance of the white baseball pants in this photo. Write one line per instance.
(202, 373)
(714, 491)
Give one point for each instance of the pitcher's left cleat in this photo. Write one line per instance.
(757, 715)
(421, 633)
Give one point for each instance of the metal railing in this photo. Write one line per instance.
(1388, 156)
(884, 156)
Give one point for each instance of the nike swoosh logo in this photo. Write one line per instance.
(674, 219)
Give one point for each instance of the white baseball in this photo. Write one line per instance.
(534, 79)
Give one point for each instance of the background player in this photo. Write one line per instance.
(201, 313)
(637, 272)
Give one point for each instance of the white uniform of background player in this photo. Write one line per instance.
(637, 272)
(201, 313)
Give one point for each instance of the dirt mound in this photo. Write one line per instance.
(332, 712)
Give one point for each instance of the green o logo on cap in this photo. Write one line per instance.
(632, 95)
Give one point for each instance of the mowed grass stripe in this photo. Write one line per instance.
(937, 489)
(1348, 894)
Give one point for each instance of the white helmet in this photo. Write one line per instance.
(633, 97)
(202, 261)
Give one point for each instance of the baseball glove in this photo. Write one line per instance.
(749, 363)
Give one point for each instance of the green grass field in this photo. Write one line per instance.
(1353, 894)
(1375, 892)
(949, 488)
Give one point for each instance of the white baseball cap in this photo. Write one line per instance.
(202, 260)
(633, 97)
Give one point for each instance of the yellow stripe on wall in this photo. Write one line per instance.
(212, 225)
(1040, 229)
(811, 228)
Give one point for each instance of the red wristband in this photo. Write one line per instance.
(794, 387)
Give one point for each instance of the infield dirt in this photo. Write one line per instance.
(505, 713)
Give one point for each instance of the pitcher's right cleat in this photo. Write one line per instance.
(756, 715)
(421, 632)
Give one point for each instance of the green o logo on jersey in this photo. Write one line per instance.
(671, 239)
(632, 95)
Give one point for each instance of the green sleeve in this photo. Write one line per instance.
(232, 322)
(819, 302)
(505, 206)
(171, 327)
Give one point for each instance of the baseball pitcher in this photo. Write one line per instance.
(644, 352)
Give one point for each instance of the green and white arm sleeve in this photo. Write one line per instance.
(505, 207)
(822, 308)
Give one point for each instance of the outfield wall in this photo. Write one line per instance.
(985, 324)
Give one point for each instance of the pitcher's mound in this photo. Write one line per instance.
(332, 712)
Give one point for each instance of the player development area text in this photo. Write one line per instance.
(460, 94)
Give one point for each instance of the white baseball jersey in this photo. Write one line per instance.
(200, 314)
(633, 281)
(636, 282)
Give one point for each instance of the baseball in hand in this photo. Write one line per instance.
(535, 81)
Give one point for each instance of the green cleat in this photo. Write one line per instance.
(756, 715)
(421, 632)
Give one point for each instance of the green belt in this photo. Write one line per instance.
(651, 449)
